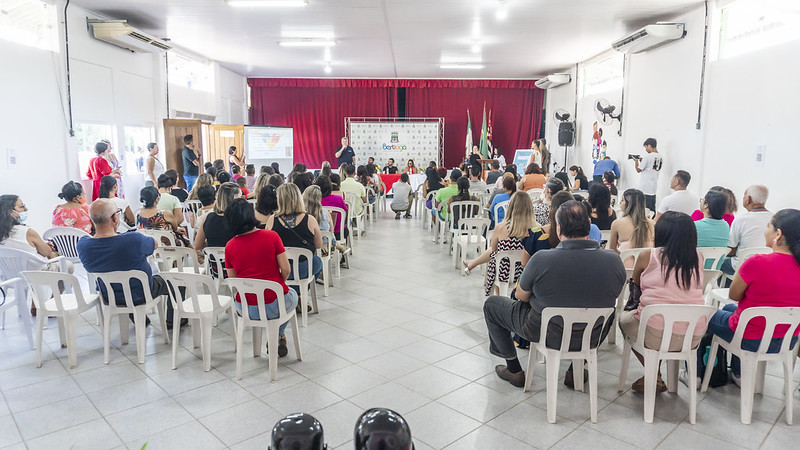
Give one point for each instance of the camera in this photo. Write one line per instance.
(635, 157)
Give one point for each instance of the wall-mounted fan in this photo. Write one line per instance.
(604, 111)
(561, 115)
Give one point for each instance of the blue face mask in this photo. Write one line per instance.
(23, 216)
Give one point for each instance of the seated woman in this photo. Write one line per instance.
(541, 210)
(633, 229)
(511, 169)
(15, 234)
(363, 177)
(509, 188)
(609, 179)
(167, 201)
(203, 179)
(151, 218)
(206, 195)
(581, 182)
(108, 189)
(213, 230)
(258, 254)
(519, 231)
(296, 228)
(266, 204)
(764, 280)
(533, 178)
(411, 168)
(731, 205)
(329, 198)
(336, 186)
(601, 213)
(463, 195)
(433, 182)
(712, 230)
(75, 212)
(175, 190)
(312, 198)
(670, 273)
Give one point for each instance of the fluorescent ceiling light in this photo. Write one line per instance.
(476, 48)
(501, 14)
(460, 58)
(462, 66)
(328, 69)
(307, 43)
(266, 3)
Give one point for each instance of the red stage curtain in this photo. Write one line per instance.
(317, 114)
(516, 113)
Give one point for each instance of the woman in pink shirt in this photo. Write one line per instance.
(729, 210)
(670, 273)
(764, 280)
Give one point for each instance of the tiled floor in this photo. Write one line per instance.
(401, 329)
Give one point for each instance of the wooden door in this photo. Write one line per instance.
(221, 138)
(174, 131)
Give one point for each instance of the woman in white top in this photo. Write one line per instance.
(154, 166)
(108, 189)
(536, 155)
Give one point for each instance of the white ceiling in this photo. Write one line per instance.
(394, 38)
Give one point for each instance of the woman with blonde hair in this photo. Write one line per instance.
(296, 228)
(203, 180)
(633, 229)
(261, 181)
(326, 169)
(518, 231)
(213, 229)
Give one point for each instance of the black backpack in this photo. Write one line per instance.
(719, 372)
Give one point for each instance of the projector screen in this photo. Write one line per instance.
(269, 143)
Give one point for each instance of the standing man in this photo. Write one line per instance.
(191, 161)
(345, 153)
(649, 166)
(602, 166)
(681, 200)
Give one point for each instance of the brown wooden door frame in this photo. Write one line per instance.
(218, 145)
(174, 131)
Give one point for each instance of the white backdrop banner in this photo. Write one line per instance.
(399, 140)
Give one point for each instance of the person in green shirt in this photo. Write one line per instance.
(444, 194)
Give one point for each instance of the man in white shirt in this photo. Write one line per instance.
(747, 229)
(681, 200)
(649, 166)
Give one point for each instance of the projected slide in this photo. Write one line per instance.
(269, 143)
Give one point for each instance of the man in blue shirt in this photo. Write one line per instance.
(345, 153)
(191, 162)
(604, 165)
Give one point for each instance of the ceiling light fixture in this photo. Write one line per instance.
(462, 66)
(501, 14)
(327, 54)
(328, 68)
(460, 58)
(266, 3)
(476, 48)
(308, 42)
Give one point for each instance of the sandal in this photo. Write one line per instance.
(638, 385)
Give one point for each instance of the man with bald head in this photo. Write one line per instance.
(108, 251)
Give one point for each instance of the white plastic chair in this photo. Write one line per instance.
(65, 239)
(418, 200)
(370, 207)
(464, 210)
(113, 308)
(12, 263)
(327, 245)
(498, 207)
(571, 316)
(427, 222)
(754, 363)
(177, 259)
(513, 257)
(535, 195)
(339, 215)
(691, 315)
(360, 219)
(215, 257)
(471, 236)
(626, 255)
(715, 254)
(304, 284)
(605, 235)
(741, 256)
(19, 300)
(161, 236)
(66, 307)
(201, 304)
(710, 278)
(244, 286)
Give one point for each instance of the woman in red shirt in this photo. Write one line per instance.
(764, 280)
(99, 167)
(258, 254)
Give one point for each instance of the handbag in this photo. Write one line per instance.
(634, 294)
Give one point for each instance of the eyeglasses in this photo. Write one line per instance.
(118, 211)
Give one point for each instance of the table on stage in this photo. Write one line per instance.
(415, 180)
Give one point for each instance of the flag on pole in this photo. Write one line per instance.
(469, 136)
(484, 145)
(489, 135)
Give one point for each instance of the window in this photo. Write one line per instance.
(191, 74)
(135, 148)
(750, 25)
(601, 76)
(29, 22)
(89, 134)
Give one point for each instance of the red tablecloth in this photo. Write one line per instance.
(389, 180)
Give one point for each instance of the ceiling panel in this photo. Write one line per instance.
(394, 38)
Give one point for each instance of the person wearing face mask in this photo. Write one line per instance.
(15, 234)
(74, 213)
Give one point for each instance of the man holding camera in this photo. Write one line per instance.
(649, 166)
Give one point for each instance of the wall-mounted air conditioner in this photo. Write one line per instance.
(119, 33)
(180, 114)
(650, 37)
(553, 80)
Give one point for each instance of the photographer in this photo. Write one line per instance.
(649, 166)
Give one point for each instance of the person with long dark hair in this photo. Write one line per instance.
(259, 254)
(99, 167)
(74, 212)
(108, 189)
(764, 280)
(533, 178)
(601, 214)
(581, 182)
(266, 204)
(633, 229)
(670, 273)
(463, 195)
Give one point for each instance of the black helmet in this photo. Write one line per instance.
(299, 431)
(381, 428)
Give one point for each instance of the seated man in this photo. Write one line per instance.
(576, 274)
(747, 229)
(350, 185)
(108, 251)
(494, 174)
(390, 167)
(476, 185)
(681, 200)
(444, 194)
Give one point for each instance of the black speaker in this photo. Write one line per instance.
(566, 134)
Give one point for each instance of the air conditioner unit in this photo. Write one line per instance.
(180, 114)
(119, 33)
(650, 37)
(553, 80)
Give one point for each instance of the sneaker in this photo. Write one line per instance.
(407, 216)
(516, 379)
(683, 377)
(737, 379)
(282, 349)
